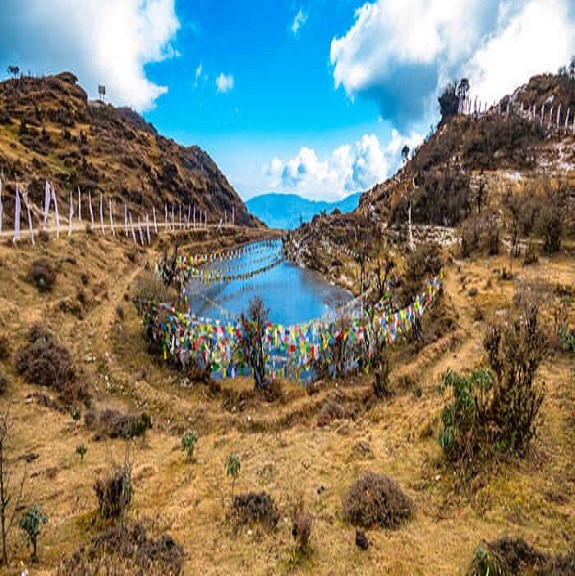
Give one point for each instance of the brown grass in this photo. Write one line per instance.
(282, 450)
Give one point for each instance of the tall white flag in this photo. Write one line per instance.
(56, 212)
(567, 118)
(91, 210)
(132, 226)
(194, 216)
(166, 216)
(173, 222)
(125, 220)
(79, 206)
(46, 205)
(155, 223)
(180, 216)
(140, 231)
(111, 219)
(71, 216)
(148, 228)
(102, 215)
(30, 225)
(558, 115)
(17, 209)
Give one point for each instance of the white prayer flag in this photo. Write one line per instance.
(125, 220)
(180, 215)
(79, 206)
(189, 215)
(166, 215)
(111, 218)
(71, 215)
(550, 118)
(17, 209)
(132, 226)
(148, 228)
(46, 205)
(102, 215)
(155, 223)
(558, 115)
(173, 221)
(542, 113)
(30, 225)
(567, 118)
(91, 210)
(194, 216)
(56, 212)
(140, 231)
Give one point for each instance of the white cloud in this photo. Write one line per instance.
(102, 41)
(198, 75)
(224, 83)
(347, 169)
(403, 53)
(299, 20)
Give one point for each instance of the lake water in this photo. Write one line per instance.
(292, 294)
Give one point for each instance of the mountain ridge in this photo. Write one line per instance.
(49, 129)
(288, 211)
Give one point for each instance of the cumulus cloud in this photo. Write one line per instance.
(346, 170)
(224, 83)
(198, 75)
(102, 41)
(402, 53)
(299, 20)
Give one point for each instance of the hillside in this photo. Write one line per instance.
(49, 129)
(476, 157)
(288, 211)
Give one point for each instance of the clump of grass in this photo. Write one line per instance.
(114, 492)
(42, 274)
(45, 362)
(254, 507)
(376, 499)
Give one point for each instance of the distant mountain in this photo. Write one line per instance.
(288, 211)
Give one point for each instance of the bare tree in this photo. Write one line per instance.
(6, 517)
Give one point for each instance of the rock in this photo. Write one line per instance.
(361, 540)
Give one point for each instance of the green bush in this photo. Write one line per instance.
(31, 523)
(189, 441)
(496, 409)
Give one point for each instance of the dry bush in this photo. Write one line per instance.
(114, 492)
(149, 288)
(44, 361)
(376, 499)
(330, 411)
(42, 274)
(5, 348)
(117, 552)
(423, 263)
(255, 507)
(4, 382)
(115, 424)
(302, 523)
(511, 556)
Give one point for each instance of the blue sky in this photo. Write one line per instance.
(315, 97)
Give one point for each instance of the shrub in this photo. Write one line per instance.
(4, 347)
(81, 450)
(131, 551)
(31, 523)
(42, 274)
(4, 382)
(256, 507)
(250, 344)
(376, 499)
(330, 411)
(189, 441)
(45, 362)
(114, 492)
(496, 409)
(302, 523)
(115, 424)
(148, 288)
(550, 224)
(510, 556)
(233, 466)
